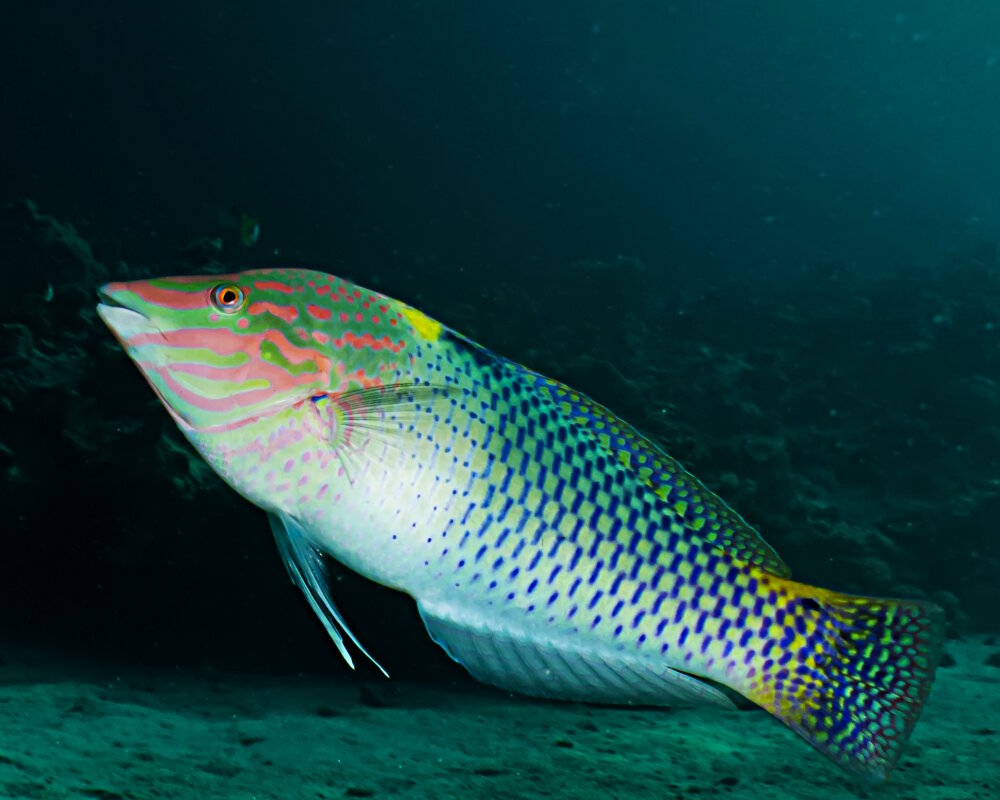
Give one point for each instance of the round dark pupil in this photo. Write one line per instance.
(228, 296)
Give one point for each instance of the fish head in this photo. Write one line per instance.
(226, 351)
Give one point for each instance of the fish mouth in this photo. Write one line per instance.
(127, 324)
(123, 321)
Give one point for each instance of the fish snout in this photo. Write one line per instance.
(118, 309)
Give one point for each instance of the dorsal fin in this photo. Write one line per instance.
(701, 509)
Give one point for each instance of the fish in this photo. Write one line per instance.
(244, 222)
(249, 228)
(551, 548)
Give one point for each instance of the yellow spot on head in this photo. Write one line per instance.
(428, 328)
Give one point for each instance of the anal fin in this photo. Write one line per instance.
(557, 666)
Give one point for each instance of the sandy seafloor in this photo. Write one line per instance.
(91, 730)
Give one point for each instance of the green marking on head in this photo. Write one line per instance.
(271, 353)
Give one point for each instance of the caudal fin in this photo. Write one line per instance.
(852, 674)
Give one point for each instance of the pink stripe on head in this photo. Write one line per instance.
(220, 404)
(178, 299)
(319, 312)
(366, 340)
(287, 313)
(273, 286)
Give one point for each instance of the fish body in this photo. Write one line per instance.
(249, 229)
(551, 548)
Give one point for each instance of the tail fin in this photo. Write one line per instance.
(852, 675)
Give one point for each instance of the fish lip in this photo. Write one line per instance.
(108, 299)
(105, 298)
(123, 321)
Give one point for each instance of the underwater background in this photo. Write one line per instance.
(763, 233)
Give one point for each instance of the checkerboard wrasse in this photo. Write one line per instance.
(551, 548)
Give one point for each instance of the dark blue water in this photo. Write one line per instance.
(699, 136)
(762, 232)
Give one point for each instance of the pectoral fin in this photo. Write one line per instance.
(306, 569)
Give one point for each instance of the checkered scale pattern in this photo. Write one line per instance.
(561, 526)
(577, 521)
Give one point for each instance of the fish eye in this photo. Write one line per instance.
(228, 298)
